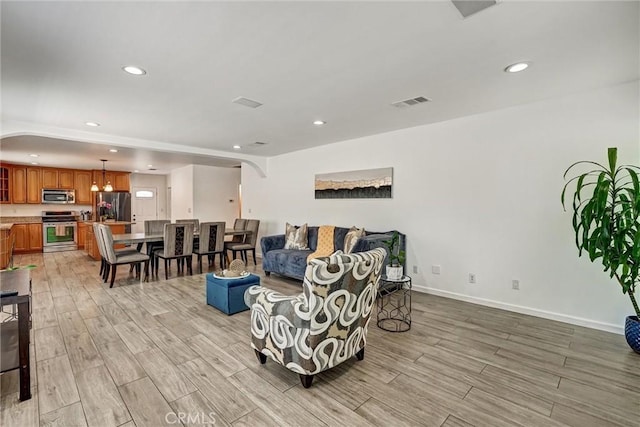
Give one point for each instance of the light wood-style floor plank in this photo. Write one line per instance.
(101, 400)
(49, 343)
(164, 374)
(72, 415)
(57, 385)
(146, 405)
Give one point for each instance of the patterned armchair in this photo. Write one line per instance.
(327, 323)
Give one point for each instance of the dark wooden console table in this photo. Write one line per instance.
(14, 333)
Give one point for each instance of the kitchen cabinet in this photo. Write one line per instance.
(21, 238)
(5, 246)
(82, 183)
(5, 184)
(28, 237)
(49, 178)
(65, 179)
(34, 188)
(19, 184)
(82, 234)
(35, 236)
(119, 180)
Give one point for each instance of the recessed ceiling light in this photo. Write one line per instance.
(517, 67)
(113, 150)
(236, 147)
(34, 163)
(149, 166)
(319, 122)
(34, 155)
(136, 170)
(92, 124)
(136, 71)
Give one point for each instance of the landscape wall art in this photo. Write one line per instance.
(362, 184)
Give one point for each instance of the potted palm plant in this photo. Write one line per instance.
(394, 269)
(606, 213)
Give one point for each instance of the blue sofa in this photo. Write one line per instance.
(293, 262)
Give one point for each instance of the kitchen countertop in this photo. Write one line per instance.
(111, 222)
(6, 226)
(20, 219)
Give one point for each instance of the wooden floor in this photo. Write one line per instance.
(155, 354)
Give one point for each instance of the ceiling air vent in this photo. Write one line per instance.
(259, 143)
(410, 102)
(246, 102)
(469, 7)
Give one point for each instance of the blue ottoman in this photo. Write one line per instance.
(227, 295)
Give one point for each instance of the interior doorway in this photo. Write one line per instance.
(144, 206)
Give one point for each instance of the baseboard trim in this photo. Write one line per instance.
(579, 321)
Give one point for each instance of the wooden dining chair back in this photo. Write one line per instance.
(211, 243)
(114, 258)
(178, 245)
(249, 243)
(195, 222)
(239, 224)
(155, 226)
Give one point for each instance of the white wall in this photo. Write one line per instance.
(478, 194)
(182, 193)
(204, 192)
(215, 193)
(157, 181)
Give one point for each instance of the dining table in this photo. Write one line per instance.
(140, 238)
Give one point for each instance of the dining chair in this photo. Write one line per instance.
(249, 243)
(113, 259)
(104, 266)
(211, 242)
(194, 221)
(178, 245)
(238, 224)
(154, 226)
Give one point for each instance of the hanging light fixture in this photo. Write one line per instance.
(107, 186)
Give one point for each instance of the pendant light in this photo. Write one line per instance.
(107, 186)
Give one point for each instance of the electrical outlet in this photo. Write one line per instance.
(472, 278)
(515, 285)
(435, 269)
(415, 269)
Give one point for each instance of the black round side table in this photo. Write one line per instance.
(394, 304)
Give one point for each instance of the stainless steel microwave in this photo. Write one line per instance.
(61, 197)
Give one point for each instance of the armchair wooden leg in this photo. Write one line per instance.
(107, 270)
(200, 263)
(113, 275)
(190, 265)
(261, 357)
(101, 266)
(146, 271)
(166, 270)
(360, 354)
(157, 264)
(306, 380)
(253, 252)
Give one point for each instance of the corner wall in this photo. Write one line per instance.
(478, 194)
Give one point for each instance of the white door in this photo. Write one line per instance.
(144, 206)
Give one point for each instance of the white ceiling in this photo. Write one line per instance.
(342, 62)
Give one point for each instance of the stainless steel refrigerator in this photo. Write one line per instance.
(115, 204)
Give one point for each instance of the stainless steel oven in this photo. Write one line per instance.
(60, 231)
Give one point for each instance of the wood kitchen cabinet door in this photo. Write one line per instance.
(82, 183)
(5, 184)
(82, 233)
(65, 179)
(21, 242)
(19, 185)
(35, 237)
(34, 188)
(121, 181)
(49, 178)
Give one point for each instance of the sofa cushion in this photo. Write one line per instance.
(351, 238)
(296, 237)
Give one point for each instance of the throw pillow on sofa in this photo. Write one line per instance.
(296, 237)
(351, 238)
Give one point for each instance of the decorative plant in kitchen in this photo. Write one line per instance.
(105, 210)
(397, 257)
(606, 212)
